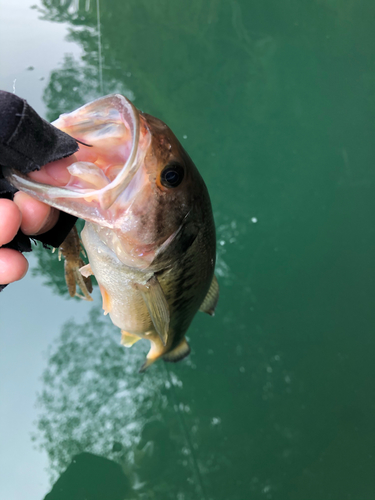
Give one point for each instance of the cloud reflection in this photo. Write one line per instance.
(94, 400)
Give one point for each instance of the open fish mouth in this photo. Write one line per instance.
(109, 132)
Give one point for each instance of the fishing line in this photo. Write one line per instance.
(199, 480)
(99, 47)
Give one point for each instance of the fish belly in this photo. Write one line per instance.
(121, 299)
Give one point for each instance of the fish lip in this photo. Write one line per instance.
(107, 195)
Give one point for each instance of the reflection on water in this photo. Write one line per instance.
(90, 477)
(75, 83)
(51, 268)
(94, 400)
(79, 81)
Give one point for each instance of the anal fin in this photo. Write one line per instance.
(128, 339)
(178, 353)
(210, 301)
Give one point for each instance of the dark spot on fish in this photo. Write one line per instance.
(159, 216)
(143, 221)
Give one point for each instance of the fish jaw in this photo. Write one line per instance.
(111, 126)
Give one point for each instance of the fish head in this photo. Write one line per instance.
(169, 194)
(133, 180)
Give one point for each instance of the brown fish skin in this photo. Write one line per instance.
(187, 265)
(184, 268)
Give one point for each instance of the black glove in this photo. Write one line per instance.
(27, 142)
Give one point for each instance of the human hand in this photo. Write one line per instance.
(32, 216)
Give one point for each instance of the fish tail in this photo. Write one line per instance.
(179, 352)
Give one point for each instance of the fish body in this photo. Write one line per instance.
(149, 232)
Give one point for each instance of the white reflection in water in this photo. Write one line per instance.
(93, 394)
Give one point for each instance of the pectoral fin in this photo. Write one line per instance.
(157, 306)
(209, 304)
(86, 271)
(107, 302)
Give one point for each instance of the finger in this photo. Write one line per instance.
(54, 173)
(10, 220)
(37, 217)
(13, 266)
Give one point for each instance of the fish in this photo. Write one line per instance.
(149, 233)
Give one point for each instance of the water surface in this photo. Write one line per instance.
(275, 103)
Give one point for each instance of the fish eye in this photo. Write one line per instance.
(172, 175)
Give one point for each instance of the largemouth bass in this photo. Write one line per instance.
(149, 232)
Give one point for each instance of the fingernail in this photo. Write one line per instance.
(58, 171)
(55, 173)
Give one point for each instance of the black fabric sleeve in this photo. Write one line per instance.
(27, 142)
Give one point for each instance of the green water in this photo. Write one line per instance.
(274, 101)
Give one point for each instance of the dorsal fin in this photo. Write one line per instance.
(209, 304)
